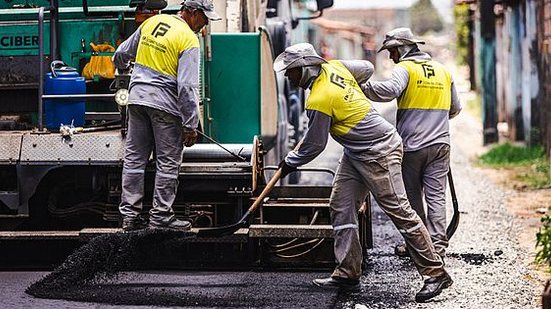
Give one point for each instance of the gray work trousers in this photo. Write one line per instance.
(383, 177)
(425, 173)
(149, 129)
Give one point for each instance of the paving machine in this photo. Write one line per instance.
(62, 135)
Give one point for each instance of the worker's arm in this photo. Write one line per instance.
(455, 107)
(188, 87)
(360, 69)
(388, 90)
(126, 52)
(313, 142)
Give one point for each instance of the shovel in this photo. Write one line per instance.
(244, 221)
(452, 227)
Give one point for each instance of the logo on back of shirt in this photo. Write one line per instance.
(428, 70)
(160, 30)
(337, 80)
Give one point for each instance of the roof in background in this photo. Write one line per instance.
(342, 26)
(444, 7)
(372, 4)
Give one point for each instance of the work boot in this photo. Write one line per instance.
(433, 287)
(172, 224)
(133, 224)
(401, 250)
(336, 282)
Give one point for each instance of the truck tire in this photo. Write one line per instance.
(278, 35)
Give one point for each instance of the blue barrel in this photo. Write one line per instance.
(64, 80)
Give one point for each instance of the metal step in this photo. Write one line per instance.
(241, 235)
(39, 235)
(16, 216)
(290, 231)
(254, 231)
(297, 203)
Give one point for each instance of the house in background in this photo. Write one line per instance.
(510, 57)
(377, 17)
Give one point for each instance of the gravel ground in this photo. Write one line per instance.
(490, 268)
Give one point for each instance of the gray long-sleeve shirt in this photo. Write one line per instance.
(356, 125)
(166, 73)
(418, 127)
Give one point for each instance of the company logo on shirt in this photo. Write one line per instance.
(160, 30)
(337, 80)
(428, 70)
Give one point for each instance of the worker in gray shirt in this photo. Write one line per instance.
(427, 99)
(162, 109)
(371, 160)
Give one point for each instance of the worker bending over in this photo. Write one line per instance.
(371, 161)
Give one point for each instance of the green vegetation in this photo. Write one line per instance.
(507, 154)
(425, 18)
(543, 240)
(532, 163)
(461, 17)
(530, 166)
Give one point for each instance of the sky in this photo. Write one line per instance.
(444, 7)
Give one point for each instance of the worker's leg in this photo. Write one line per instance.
(168, 148)
(348, 194)
(139, 143)
(434, 183)
(413, 165)
(384, 179)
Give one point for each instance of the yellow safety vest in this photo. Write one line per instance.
(163, 39)
(429, 86)
(337, 94)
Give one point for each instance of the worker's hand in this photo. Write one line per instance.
(189, 138)
(286, 169)
(363, 208)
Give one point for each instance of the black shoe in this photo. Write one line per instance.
(401, 250)
(336, 282)
(433, 287)
(133, 224)
(173, 224)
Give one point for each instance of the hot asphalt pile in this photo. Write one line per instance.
(86, 274)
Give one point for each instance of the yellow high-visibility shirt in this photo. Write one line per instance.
(163, 39)
(337, 94)
(428, 87)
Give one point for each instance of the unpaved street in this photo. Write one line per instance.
(489, 267)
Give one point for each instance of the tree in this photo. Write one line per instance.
(425, 18)
(461, 17)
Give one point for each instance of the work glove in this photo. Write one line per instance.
(189, 138)
(286, 169)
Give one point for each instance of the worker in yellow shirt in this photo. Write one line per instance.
(427, 99)
(162, 108)
(371, 161)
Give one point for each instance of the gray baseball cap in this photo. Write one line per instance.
(399, 37)
(204, 5)
(298, 55)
